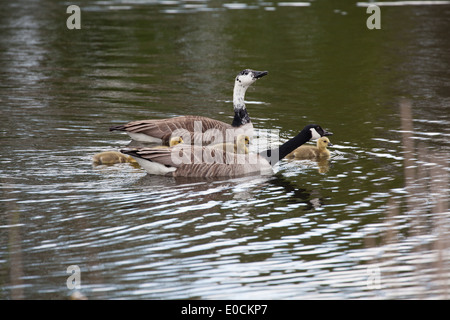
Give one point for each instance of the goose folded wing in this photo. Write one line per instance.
(155, 128)
(162, 156)
(179, 126)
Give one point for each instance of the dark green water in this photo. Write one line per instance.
(372, 223)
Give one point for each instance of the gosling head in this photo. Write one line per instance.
(323, 143)
(243, 139)
(316, 132)
(247, 77)
(242, 142)
(175, 140)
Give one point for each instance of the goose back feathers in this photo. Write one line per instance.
(190, 128)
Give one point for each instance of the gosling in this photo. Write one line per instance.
(240, 146)
(311, 152)
(172, 142)
(113, 157)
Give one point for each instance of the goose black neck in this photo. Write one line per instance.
(275, 155)
(241, 117)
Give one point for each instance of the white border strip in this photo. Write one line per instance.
(401, 3)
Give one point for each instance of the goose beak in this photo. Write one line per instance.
(259, 74)
(330, 144)
(327, 133)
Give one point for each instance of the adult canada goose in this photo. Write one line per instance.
(113, 157)
(239, 147)
(312, 152)
(161, 130)
(198, 161)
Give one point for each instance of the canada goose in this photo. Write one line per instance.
(198, 161)
(312, 152)
(160, 130)
(113, 157)
(239, 147)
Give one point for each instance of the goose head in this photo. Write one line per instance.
(243, 80)
(314, 132)
(247, 77)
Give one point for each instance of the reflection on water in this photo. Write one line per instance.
(371, 222)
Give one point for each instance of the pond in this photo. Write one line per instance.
(372, 222)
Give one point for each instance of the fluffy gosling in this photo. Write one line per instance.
(312, 152)
(240, 146)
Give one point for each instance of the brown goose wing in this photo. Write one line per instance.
(214, 162)
(159, 155)
(163, 128)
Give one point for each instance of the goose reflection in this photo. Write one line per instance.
(242, 191)
(322, 165)
(311, 198)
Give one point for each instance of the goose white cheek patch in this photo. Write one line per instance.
(315, 134)
(246, 80)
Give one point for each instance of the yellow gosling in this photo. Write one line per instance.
(173, 142)
(112, 157)
(312, 152)
(240, 146)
